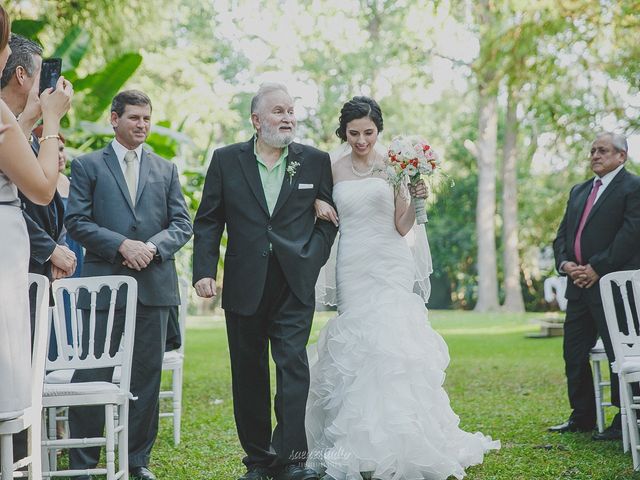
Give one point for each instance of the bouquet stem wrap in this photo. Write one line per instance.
(420, 204)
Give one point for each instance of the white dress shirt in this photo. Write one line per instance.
(606, 180)
(121, 151)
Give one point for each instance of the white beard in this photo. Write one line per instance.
(273, 138)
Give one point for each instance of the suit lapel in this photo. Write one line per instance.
(144, 174)
(607, 193)
(57, 215)
(249, 166)
(289, 182)
(111, 160)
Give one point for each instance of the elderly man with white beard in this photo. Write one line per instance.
(263, 191)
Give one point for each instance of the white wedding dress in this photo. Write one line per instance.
(376, 402)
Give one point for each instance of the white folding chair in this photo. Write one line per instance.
(30, 419)
(626, 348)
(174, 362)
(114, 397)
(598, 358)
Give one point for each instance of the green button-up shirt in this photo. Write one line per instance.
(271, 179)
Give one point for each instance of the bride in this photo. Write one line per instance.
(376, 406)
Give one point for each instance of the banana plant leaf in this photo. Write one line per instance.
(103, 85)
(72, 49)
(28, 28)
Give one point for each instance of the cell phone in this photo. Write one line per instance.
(49, 73)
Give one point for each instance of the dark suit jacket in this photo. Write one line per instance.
(611, 235)
(44, 224)
(100, 216)
(233, 196)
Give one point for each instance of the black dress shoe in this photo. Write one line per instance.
(256, 473)
(141, 473)
(569, 426)
(295, 472)
(610, 433)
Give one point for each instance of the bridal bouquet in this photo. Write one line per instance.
(407, 160)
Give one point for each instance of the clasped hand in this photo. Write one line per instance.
(583, 276)
(63, 262)
(137, 255)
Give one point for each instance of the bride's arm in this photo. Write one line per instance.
(325, 211)
(405, 213)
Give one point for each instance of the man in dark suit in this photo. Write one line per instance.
(263, 190)
(599, 234)
(127, 209)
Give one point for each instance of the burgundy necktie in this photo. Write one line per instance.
(585, 214)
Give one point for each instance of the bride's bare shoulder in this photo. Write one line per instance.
(340, 168)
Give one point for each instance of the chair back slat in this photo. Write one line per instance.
(110, 319)
(92, 325)
(625, 345)
(92, 316)
(75, 334)
(628, 315)
(40, 340)
(61, 344)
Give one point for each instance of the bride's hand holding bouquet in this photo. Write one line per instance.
(408, 159)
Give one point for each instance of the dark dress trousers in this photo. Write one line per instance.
(100, 216)
(271, 265)
(610, 242)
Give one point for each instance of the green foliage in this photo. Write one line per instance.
(201, 62)
(72, 49)
(102, 86)
(27, 28)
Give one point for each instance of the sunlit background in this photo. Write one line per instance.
(466, 75)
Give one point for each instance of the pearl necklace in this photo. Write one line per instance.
(361, 174)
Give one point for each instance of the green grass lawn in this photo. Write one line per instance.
(499, 382)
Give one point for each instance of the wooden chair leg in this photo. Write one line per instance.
(632, 422)
(110, 447)
(123, 439)
(35, 466)
(44, 452)
(623, 418)
(52, 435)
(177, 403)
(6, 460)
(597, 387)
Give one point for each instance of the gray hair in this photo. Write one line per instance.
(22, 55)
(265, 89)
(618, 140)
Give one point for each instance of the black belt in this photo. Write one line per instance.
(14, 203)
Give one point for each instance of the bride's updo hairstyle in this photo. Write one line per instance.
(359, 107)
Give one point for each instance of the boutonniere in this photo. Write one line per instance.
(291, 170)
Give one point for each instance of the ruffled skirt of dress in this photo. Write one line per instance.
(376, 402)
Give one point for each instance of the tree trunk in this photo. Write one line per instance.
(486, 206)
(513, 301)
